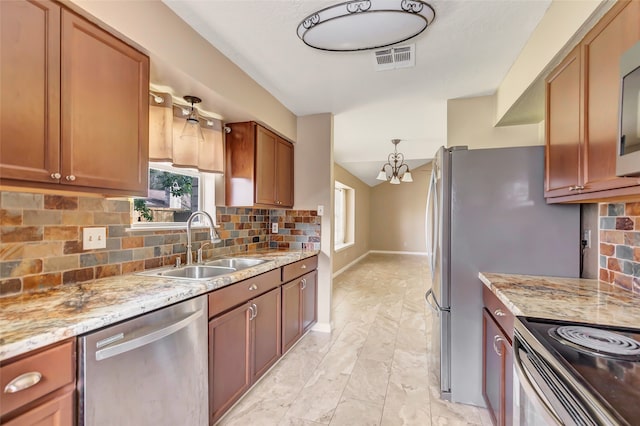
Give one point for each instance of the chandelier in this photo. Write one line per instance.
(395, 164)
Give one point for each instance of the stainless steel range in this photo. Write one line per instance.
(576, 374)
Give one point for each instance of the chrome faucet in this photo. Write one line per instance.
(213, 234)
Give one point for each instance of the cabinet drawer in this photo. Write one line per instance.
(235, 294)
(299, 268)
(55, 364)
(503, 316)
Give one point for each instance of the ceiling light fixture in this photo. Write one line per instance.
(397, 174)
(365, 24)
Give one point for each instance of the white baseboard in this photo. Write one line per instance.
(341, 270)
(414, 253)
(322, 327)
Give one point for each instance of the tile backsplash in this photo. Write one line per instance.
(41, 238)
(620, 245)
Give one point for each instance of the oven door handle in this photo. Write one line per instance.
(529, 384)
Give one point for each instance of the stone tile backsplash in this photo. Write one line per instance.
(41, 238)
(620, 245)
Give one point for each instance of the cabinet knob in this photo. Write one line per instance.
(303, 266)
(70, 178)
(303, 283)
(56, 176)
(253, 287)
(496, 341)
(499, 313)
(23, 381)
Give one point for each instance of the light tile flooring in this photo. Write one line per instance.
(371, 370)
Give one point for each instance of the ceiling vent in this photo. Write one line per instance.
(395, 57)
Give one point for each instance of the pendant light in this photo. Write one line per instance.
(397, 173)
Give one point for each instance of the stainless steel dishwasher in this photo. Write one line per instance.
(151, 370)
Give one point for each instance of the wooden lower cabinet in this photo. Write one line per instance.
(58, 411)
(299, 308)
(243, 344)
(49, 397)
(497, 374)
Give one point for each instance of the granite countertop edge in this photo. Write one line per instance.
(588, 301)
(31, 321)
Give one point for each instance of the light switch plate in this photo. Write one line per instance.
(320, 210)
(274, 228)
(94, 238)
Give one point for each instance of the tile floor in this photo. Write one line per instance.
(371, 370)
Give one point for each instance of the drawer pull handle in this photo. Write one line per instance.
(499, 313)
(23, 381)
(303, 266)
(253, 287)
(303, 282)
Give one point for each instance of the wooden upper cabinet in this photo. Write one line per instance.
(259, 167)
(105, 114)
(563, 126)
(30, 95)
(582, 104)
(602, 49)
(74, 103)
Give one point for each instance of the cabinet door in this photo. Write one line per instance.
(266, 142)
(563, 127)
(309, 300)
(291, 310)
(603, 46)
(266, 332)
(497, 373)
(229, 359)
(30, 95)
(284, 173)
(54, 412)
(105, 113)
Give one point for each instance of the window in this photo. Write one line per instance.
(174, 194)
(344, 214)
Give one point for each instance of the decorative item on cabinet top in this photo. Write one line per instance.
(167, 120)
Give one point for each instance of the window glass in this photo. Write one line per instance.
(173, 195)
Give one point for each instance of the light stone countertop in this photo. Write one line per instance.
(568, 299)
(33, 320)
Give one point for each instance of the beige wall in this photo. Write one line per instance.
(313, 164)
(398, 214)
(557, 29)
(361, 244)
(470, 122)
(182, 60)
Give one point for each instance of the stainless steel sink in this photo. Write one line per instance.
(235, 262)
(191, 272)
(211, 269)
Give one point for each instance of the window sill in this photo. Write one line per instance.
(344, 246)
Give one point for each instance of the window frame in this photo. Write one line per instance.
(206, 199)
(347, 195)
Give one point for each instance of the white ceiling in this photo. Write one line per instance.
(466, 52)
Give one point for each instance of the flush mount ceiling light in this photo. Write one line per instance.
(396, 164)
(365, 24)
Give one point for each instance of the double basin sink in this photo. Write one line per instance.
(210, 269)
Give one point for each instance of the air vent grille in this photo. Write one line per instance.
(396, 57)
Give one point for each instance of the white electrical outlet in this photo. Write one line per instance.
(320, 210)
(94, 238)
(274, 228)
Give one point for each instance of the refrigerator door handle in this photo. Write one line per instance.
(431, 220)
(437, 308)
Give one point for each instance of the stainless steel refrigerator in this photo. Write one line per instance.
(486, 212)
